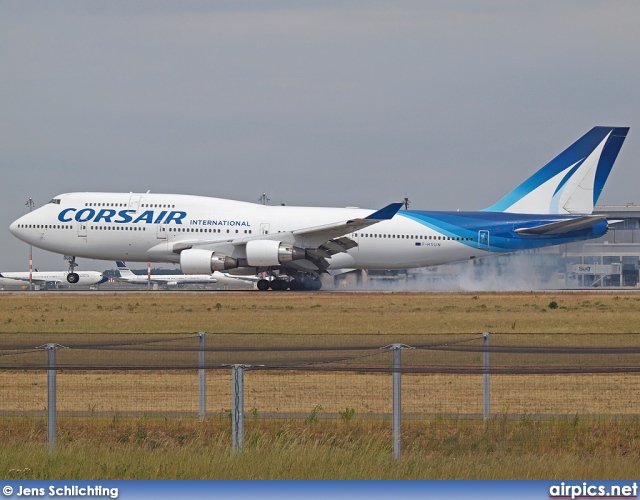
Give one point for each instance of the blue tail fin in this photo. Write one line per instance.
(124, 270)
(571, 183)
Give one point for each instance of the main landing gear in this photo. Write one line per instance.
(72, 277)
(297, 281)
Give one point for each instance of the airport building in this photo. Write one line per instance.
(610, 261)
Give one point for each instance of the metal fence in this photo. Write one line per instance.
(268, 376)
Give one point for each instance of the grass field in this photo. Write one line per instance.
(296, 393)
(563, 446)
(319, 313)
(178, 449)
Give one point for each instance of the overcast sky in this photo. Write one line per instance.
(345, 103)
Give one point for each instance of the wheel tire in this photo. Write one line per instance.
(263, 285)
(73, 278)
(278, 285)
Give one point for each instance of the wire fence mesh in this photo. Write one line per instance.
(324, 376)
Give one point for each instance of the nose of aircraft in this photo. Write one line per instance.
(16, 228)
(13, 228)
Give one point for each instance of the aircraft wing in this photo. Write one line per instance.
(564, 226)
(316, 236)
(236, 277)
(319, 242)
(327, 239)
(161, 281)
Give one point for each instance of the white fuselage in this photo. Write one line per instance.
(185, 279)
(21, 277)
(173, 279)
(149, 228)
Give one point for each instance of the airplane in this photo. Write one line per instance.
(43, 277)
(293, 246)
(166, 279)
(178, 279)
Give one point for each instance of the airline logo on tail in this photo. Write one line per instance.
(124, 270)
(571, 183)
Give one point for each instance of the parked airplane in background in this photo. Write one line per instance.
(179, 279)
(294, 245)
(166, 279)
(44, 277)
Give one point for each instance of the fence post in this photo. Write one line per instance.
(51, 396)
(397, 399)
(486, 383)
(202, 378)
(237, 412)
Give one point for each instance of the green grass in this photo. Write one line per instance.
(173, 449)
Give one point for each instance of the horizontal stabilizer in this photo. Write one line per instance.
(565, 226)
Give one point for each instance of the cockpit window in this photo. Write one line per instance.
(55, 201)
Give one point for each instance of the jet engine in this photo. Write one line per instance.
(262, 253)
(198, 261)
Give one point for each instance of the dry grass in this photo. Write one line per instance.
(292, 393)
(434, 448)
(317, 319)
(313, 313)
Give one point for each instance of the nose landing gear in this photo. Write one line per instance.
(72, 277)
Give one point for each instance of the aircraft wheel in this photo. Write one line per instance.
(278, 285)
(73, 277)
(295, 285)
(262, 285)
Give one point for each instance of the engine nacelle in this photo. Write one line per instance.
(262, 253)
(198, 261)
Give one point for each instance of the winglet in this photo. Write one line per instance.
(385, 213)
(120, 264)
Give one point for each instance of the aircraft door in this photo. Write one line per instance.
(483, 239)
(264, 228)
(134, 202)
(161, 232)
(82, 229)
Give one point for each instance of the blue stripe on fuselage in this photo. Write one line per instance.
(501, 227)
